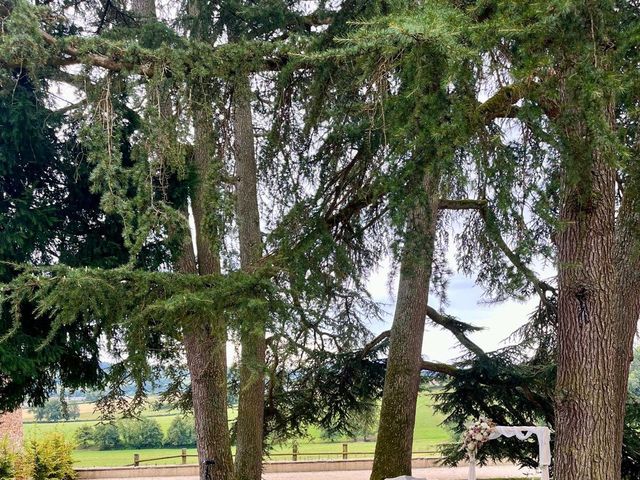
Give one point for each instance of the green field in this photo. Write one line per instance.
(428, 433)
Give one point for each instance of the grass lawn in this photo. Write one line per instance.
(427, 435)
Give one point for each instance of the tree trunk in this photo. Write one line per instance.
(597, 316)
(394, 445)
(586, 396)
(205, 344)
(144, 9)
(250, 423)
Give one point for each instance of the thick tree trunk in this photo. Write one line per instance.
(394, 444)
(597, 316)
(250, 423)
(586, 389)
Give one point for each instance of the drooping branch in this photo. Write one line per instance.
(438, 367)
(458, 329)
(482, 206)
(375, 342)
(539, 285)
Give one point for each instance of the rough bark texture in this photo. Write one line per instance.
(144, 9)
(252, 337)
(598, 308)
(205, 344)
(394, 445)
(586, 390)
(11, 428)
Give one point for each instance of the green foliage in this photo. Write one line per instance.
(157, 307)
(55, 410)
(338, 392)
(49, 458)
(141, 432)
(181, 432)
(631, 448)
(7, 461)
(106, 436)
(85, 436)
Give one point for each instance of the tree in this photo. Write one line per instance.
(106, 436)
(84, 436)
(585, 115)
(55, 410)
(181, 432)
(141, 432)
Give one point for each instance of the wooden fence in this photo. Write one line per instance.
(294, 456)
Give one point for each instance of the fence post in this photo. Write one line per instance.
(345, 451)
(184, 456)
(136, 459)
(294, 455)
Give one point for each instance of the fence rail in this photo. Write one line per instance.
(294, 456)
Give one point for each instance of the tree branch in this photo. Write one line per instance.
(502, 103)
(375, 342)
(439, 368)
(462, 204)
(482, 206)
(457, 328)
(540, 286)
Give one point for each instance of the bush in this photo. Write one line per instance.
(85, 436)
(181, 433)
(7, 461)
(47, 459)
(141, 433)
(106, 436)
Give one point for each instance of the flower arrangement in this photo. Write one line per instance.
(476, 435)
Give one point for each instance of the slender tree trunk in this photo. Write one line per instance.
(627, 264)
(144, 9)
(394, 444)
(250, 423)
(205, 343)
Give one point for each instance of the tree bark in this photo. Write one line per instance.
(586, 395)
(598, 309)
(250, 423)
(394, 445)
(205, 344)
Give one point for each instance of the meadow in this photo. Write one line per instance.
(428, 434)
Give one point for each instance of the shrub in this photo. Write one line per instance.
(141, 433)
(7, 461)
(85, 436)
(106, 436)
(49, 458)
(181, 433)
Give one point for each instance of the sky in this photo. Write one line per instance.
(465, 302)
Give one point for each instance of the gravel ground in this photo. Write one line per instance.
(493, 472)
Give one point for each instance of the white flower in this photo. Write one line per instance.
(479, 437)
